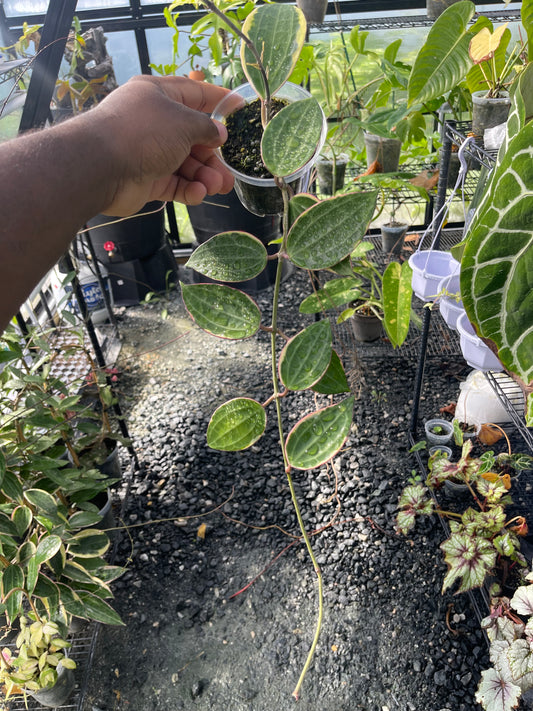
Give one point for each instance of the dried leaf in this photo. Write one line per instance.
(426, 179)
(450, 408)
(201, 531)
(374, 167)
(489, 434)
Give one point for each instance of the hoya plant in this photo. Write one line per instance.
(316, 235)
(481, 536)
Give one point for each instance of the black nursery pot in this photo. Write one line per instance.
(258, 191)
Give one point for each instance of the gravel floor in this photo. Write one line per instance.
(194, 639)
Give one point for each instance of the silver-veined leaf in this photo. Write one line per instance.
(236, 425)
(221, 310)
(306, 356)
(230, 256)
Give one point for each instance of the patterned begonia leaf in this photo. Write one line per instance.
(414, 500)
(522, 600)
(497, 692)
(520, 657)
(469, 559)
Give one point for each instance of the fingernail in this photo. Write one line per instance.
(222, 131)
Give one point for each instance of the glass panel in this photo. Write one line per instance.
(122, 48)
(160, 47)
(35, 7)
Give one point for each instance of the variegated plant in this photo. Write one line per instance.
(497, 261)
(509, 627)
(315, 235)
(480, 535)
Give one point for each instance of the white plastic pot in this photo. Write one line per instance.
(430, 267)
(476, 353)
(450, 307)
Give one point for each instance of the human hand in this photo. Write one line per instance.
(163, 141)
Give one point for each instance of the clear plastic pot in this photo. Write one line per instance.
(261, 195)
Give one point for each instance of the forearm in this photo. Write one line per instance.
(51, 184)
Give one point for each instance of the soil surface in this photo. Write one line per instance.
(220, 598)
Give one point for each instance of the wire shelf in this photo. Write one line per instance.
(80, 652)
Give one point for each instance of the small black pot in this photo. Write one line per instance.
(331, 174)
(314, 10)
(392, 238)
(366, 328)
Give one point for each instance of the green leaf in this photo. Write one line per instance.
(82, 519)
(278, 33)
(88, 606)
(475, 79)
(11, 590)
(89, 543)
(236, 425)
(336, 292)
(415, 500)
(22, 518)
(319, 436)
(47, 548)
(498, 260)
(397, 296)
(469, 560)
(43, 501)
(443, 60)
(298, 204)
(327, 232)
(334, 381)
(221, 310)
(291, 137)
(306, 356)
(230, 256)
(7, 526)
(497, 692)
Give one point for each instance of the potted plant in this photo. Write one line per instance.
(38, 666)
(454, 51)
(438, 431)
(313, 10)
(482, 538)
(53, 559)
(396, 190)
(374, 298)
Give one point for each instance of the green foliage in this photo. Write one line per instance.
(40, 649)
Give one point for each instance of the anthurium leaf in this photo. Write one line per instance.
(498, 260)
(397, 296)
(306, 356)
(47, 548)
(443, 60)
(236, 425)
(327, 232)
(334, 381)
(469, 559)
(229, 256)
(522, 600)
(481, 42)
(221, 310)
(299, 203)
(278, 33)
(89, 543)
(291, 137)
(335, 292)
(318, 436)
(497, 691)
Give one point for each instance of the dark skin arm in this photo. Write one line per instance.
(151, 139)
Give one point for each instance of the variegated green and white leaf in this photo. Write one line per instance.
(497, 263)
(522, 600)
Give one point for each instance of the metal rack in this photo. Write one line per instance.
(509, 393)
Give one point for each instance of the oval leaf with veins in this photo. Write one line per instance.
(230, 256)
(236, 425)
(221, 310)
(319, 436)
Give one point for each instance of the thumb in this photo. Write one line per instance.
(200, 129)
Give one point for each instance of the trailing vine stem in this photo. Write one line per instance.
(265, 103)
(275, 383)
